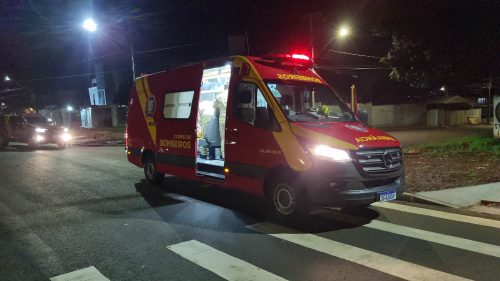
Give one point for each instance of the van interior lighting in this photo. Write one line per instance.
(330, 153)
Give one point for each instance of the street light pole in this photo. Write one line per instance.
(311, 35)
(131, 43)
(91, 26)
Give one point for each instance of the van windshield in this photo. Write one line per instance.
(309, 102)
(37, 120)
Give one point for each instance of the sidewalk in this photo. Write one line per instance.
(98, 136)
(462, 197)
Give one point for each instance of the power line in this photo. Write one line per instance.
(12, 90)
(353, 54)
(346, 67)
(163, 49)
(74, 75)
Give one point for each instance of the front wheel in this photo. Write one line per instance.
(285, 200)
(150, 172)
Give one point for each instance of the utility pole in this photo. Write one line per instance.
(311, 36)
(131, 43)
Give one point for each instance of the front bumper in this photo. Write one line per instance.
(56, 138)
(344, 184)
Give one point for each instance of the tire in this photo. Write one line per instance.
(150, 173)
(31, 144)
(61, 145)
(285, 200)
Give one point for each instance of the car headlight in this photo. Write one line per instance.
(39, 138)
(330, 153)
(66, 130)
(66, 137)
(40, 130)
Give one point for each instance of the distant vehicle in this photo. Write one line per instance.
(31, 129)
(268, 126)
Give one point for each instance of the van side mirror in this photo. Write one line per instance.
(363, 116)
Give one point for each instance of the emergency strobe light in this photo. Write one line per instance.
(293, 59)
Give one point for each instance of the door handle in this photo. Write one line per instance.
(233, 131)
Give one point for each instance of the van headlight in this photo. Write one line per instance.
(330, 153)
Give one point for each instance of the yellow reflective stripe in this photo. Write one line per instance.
(150, 120)
(322, 139)
(143, 92)
(293, 152)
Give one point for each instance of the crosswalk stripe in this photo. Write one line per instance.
(383, 263)
(85, 274)
(220, 263)
(438, 214)
(448, 240)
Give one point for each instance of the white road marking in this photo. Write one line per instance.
(220, 263)
(439, 214)
(86, 274)
(448, 240)
(383, 263)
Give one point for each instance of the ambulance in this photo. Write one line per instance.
(269, 126)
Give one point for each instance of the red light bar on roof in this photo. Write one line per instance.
(300, 57)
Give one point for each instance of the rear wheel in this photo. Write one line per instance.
(285, 199)
(150, 172)
(61, 145)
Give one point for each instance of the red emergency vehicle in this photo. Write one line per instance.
(268, 126)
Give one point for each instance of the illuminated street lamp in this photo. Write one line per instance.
(69, 108)
(343, 32)
(89, 25)
(442, 89)
(7, 78)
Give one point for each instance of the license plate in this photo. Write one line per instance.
(387, 195)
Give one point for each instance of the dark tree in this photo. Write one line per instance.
(434, 43)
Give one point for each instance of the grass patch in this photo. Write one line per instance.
(470, 144)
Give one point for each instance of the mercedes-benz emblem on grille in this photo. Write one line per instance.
(387, 159)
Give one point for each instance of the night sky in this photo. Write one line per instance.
(46, 50)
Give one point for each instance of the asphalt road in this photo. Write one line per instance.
(67, 210)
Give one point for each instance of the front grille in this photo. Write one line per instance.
(376, 183)
(379, 161)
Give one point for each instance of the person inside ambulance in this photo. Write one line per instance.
(286, 103)
(309, 102)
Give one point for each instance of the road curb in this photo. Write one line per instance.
(98, 144)
(411, 197)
